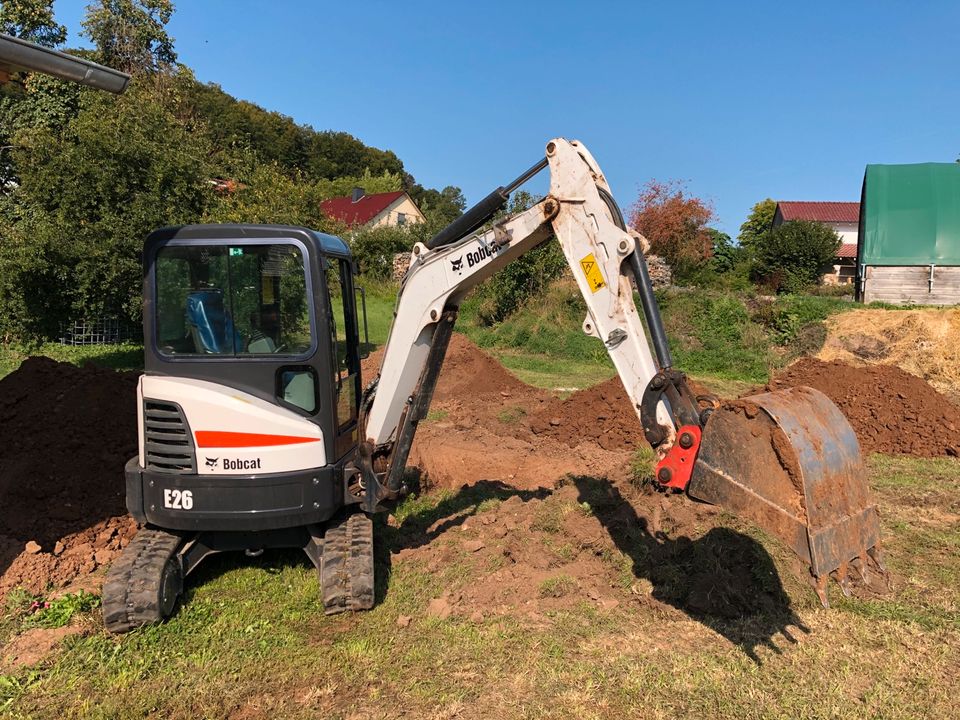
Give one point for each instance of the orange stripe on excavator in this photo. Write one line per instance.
(223, 439)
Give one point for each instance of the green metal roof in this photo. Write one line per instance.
(910, 215)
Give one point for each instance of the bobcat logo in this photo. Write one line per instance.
(457, 264)
(212, 462)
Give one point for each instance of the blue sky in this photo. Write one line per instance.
(740, 100)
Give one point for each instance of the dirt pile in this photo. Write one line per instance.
(469, 372)
(602, 414)
(65, 435)
(890, 410)
(924, 342)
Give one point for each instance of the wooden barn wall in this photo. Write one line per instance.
(900, 285)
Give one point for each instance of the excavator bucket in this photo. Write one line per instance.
(789, 462)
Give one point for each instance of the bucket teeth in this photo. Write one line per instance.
(877, 555)
(820, 587)
(843, 579)
(862, 568)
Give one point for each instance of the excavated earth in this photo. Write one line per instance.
(537, 491)
(65, 435)
(890, 410)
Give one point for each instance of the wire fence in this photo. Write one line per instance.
(99, 331)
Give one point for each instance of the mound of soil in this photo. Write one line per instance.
(602, 414)
(890, 410)
(65, 435)
(468, 372)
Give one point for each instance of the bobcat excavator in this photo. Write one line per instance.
(257, 432)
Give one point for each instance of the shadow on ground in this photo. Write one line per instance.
(724, 580)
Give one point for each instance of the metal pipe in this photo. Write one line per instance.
(22, 55)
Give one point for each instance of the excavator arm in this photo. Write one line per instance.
(787, 461)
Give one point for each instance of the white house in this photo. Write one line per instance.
(842, 217)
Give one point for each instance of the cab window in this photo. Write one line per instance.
(232, 300)
(346, 358)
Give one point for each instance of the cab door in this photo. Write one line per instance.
(344, 341)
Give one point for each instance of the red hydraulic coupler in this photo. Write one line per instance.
(675, 469)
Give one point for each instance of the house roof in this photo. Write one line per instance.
(362, 211)
(845, 212)
(847, 250)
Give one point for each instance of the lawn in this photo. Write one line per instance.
(252, 641)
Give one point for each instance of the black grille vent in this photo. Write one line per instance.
(168, 444)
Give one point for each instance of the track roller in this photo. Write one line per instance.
(143, 585)
(346, 569)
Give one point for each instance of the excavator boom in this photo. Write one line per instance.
(787, 461)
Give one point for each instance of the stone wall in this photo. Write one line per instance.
(660, 273)
(401, 263)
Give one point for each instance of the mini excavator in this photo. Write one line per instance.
(256, 430)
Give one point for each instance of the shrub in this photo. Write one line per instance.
(790, 257)
(374, 248)
(526, 277)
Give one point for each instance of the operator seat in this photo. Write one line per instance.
(210, 324)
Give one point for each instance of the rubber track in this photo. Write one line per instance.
(346, 575)
(131, 590)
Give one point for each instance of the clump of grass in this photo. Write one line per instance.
(489, 505)
(436, 416)
(643, 462)
(557, 586)
(509, 416)
(55, 613)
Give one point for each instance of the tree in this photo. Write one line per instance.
(791, 257)
(757, 224)
(88, 194)
(675, 223)
(32, 20)
(444, 206)
(131, 35)
(725, 255)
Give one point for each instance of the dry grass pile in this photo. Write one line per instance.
(922, 342)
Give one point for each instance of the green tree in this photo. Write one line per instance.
(757, 224)
(371, 184)
(792, 256)
(131, 35)
(444, 206)
(726, 255)
(88, 194)
(266, 193)
(32, 20)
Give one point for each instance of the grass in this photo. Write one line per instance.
(252, 640)
(125, 356)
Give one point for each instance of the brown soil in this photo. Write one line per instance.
(601, 415)
(33, 646)
(890, 410)
(65, 435)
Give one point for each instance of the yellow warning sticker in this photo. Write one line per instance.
(591, 271)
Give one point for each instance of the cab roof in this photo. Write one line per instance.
(326, 244)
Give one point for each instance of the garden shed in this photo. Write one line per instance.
(908, 248)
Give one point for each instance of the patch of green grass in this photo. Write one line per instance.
(123, 356)
(60, 611)
(436, 415)
(511, 415)
(643, 461)
(557, 586)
